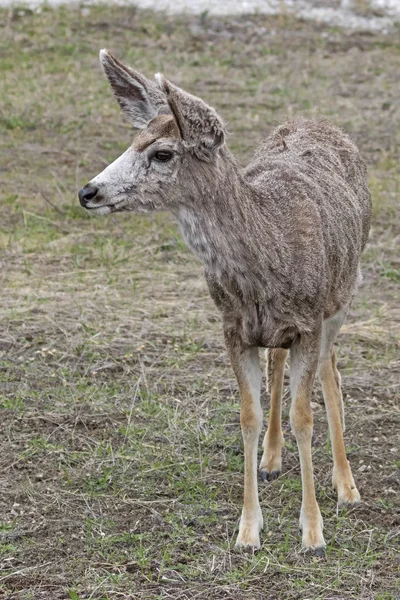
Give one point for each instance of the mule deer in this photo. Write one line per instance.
(281, 242)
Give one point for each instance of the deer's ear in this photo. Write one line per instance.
(139, 98)
(199, 124)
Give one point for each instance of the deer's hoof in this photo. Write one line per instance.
(318, 551)
(348, 496)
(248, 541)
(313, 539)
(347, 504)
(248, 537)
(269, 475)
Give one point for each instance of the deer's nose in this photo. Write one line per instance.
(89, 192)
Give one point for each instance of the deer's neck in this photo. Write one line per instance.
(221, 223)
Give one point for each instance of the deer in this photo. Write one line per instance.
(280, 240)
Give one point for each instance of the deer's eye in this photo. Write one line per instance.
(163, 155)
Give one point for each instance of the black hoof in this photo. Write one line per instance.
(319, 551)
(269, 476)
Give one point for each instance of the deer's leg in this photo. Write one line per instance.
(338, 382)
(271, 461)
(303, 366)
(246, 364)
(342, 478)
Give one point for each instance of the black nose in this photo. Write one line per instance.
(89, 192)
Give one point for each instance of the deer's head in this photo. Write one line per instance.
(181, 137)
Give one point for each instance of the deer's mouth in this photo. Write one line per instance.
(104, 209)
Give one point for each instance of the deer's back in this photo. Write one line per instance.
(316, 180)
(328, 157)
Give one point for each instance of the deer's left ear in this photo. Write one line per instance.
(139, 98)
(199, 123)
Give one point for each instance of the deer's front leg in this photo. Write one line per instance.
(246, 364)
(303, 365)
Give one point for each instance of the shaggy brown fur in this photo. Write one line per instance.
(285, 237)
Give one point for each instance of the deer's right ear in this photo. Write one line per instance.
(139, 98)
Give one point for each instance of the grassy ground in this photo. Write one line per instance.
(120, 447)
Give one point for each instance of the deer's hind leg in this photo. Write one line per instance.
(271, 461)
(342, 478)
